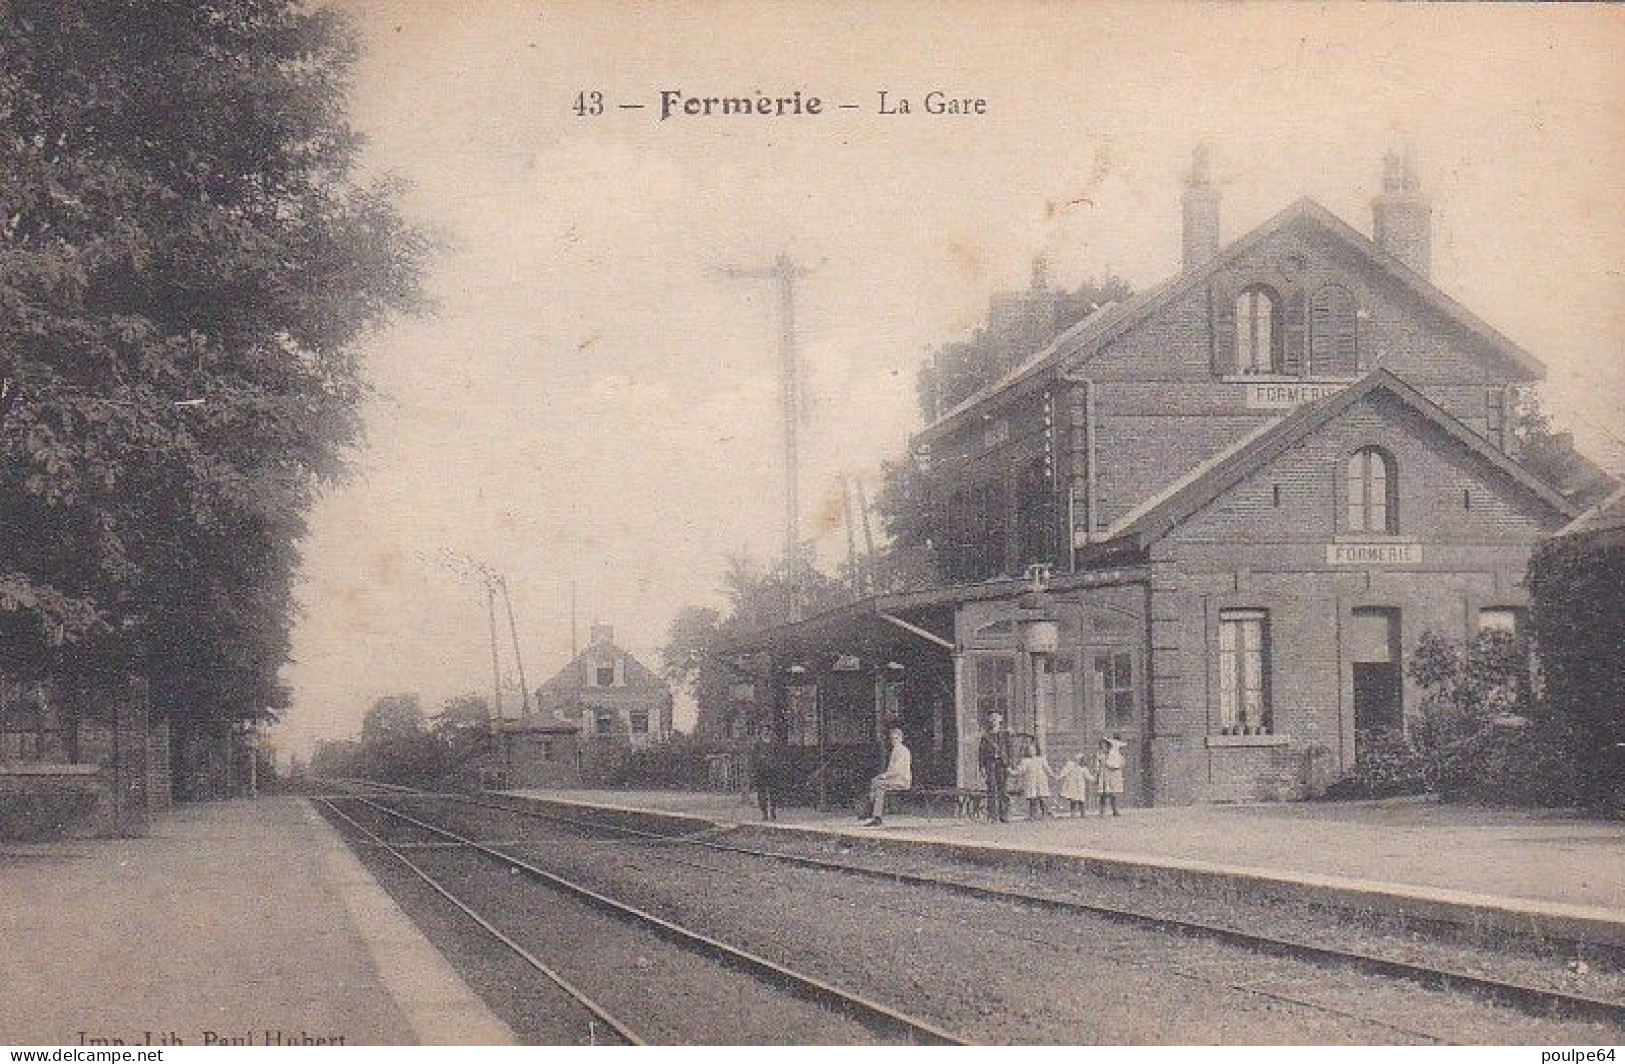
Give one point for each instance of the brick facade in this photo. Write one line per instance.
(1166, 390)
(1262, 545)
(1257, 485)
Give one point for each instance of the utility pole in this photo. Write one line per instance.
(785, 272)
(868, 537)
(518, 658)
(851, 539)
(493, 581)
(497, 727)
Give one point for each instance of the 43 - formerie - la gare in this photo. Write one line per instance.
(674, 103)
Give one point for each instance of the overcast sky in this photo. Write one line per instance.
(595, 400)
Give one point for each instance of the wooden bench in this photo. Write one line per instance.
(963, 802)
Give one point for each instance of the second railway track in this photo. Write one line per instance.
(1305, 978)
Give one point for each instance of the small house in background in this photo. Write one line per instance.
(615, 699)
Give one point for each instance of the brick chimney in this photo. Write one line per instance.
(1402, 216)
(1201, 201)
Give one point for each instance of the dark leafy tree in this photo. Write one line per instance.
(904, 504)
(1551, 455)
(698, 656)
(393, 718)
(1021, 325)
(187, 259)
(1481, 731)
(397, 745)
(1578, 615)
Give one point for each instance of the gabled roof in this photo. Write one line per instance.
(1087, 338)
(1159, 515)
(573, 676)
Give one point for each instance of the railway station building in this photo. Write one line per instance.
(1211, 520)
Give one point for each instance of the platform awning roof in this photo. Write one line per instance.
(891, 616)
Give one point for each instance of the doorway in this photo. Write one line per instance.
(1378, 685)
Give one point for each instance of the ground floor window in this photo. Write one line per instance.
(32, 727)
(604, 722)
(1058, 702)
(995, 687)
(803, 723)
(1512, 623)
(1508, 619)
(1114, 679)
(640, 721)
(1244, 707)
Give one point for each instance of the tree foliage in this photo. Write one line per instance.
(187, 259)
(697, 658)
(1481, 731)
(1551, 455)
(907, 561)
(1029, 322)
(1019, 326)
(1578, 615)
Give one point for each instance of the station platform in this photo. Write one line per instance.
(1532, 873)
(246, 922)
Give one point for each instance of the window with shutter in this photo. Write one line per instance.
(1222, 303)
(1292, 347)
(1333, 326)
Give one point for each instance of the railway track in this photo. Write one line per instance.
(618, 1027)
(1531, 999)
(886, 1023)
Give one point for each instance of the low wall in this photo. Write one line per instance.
(41, 800)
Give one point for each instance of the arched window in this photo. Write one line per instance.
(1258, 331)
(1332, 315)
(1373, 492)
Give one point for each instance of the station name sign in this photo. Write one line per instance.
(1283, 395)
(1373, 553)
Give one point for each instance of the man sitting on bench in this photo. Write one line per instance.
(899, 776)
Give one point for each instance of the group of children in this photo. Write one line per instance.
(1104, 772)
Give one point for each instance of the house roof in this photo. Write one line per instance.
(573, 676)
(837, 623)
(1607, 514)
(1087, 338)
(1160, 514)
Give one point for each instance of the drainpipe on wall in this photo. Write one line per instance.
(1089, 459)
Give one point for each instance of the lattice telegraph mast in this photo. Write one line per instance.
(785, 271)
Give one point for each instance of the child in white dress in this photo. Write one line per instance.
(1033, 773)
(1075, 781)
(1109, 769)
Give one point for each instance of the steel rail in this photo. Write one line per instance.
(621, 1030)
(1221, 984)
(1536, 1000)
(860, 1008)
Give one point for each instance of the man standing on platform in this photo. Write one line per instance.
(766, 773)
(993, 755)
